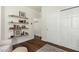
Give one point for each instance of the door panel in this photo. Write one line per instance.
(75, 29)
(52, 25)
(65, 28)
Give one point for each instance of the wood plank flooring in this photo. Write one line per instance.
(32, 45)
(36, 43)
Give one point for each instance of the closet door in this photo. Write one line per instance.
(65, 28)
(75, 29)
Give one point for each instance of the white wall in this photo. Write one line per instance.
(61, 28)
(14, 10)
(2, 23)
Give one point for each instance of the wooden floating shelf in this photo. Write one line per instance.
(17, 23)
(16, 26)
(16, 29)
(18, 36)
(18, 16)
(12, 28)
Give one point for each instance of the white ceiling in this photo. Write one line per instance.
(37, 8)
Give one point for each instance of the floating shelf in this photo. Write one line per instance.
(18, 36)
(17, 23)
(16, 29)
(18, 16)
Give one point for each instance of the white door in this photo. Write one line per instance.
(52, 27)
(65, 28)
(69, 28)
(75, 28)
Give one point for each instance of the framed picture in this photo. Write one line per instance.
(17, 30)
(22, 14)
(17, 33)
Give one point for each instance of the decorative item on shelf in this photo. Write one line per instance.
(26, 33)
(31, 23)
(22, 14)
(17, 33)
(11, 28)
(17, 27)
(12, 36)
(17, 30)
(22, 21)
(14, 26)
(22, 33)
(27, 22)
(23, 26)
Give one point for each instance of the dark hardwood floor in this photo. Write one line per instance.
(36, 43)
(32, 45)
